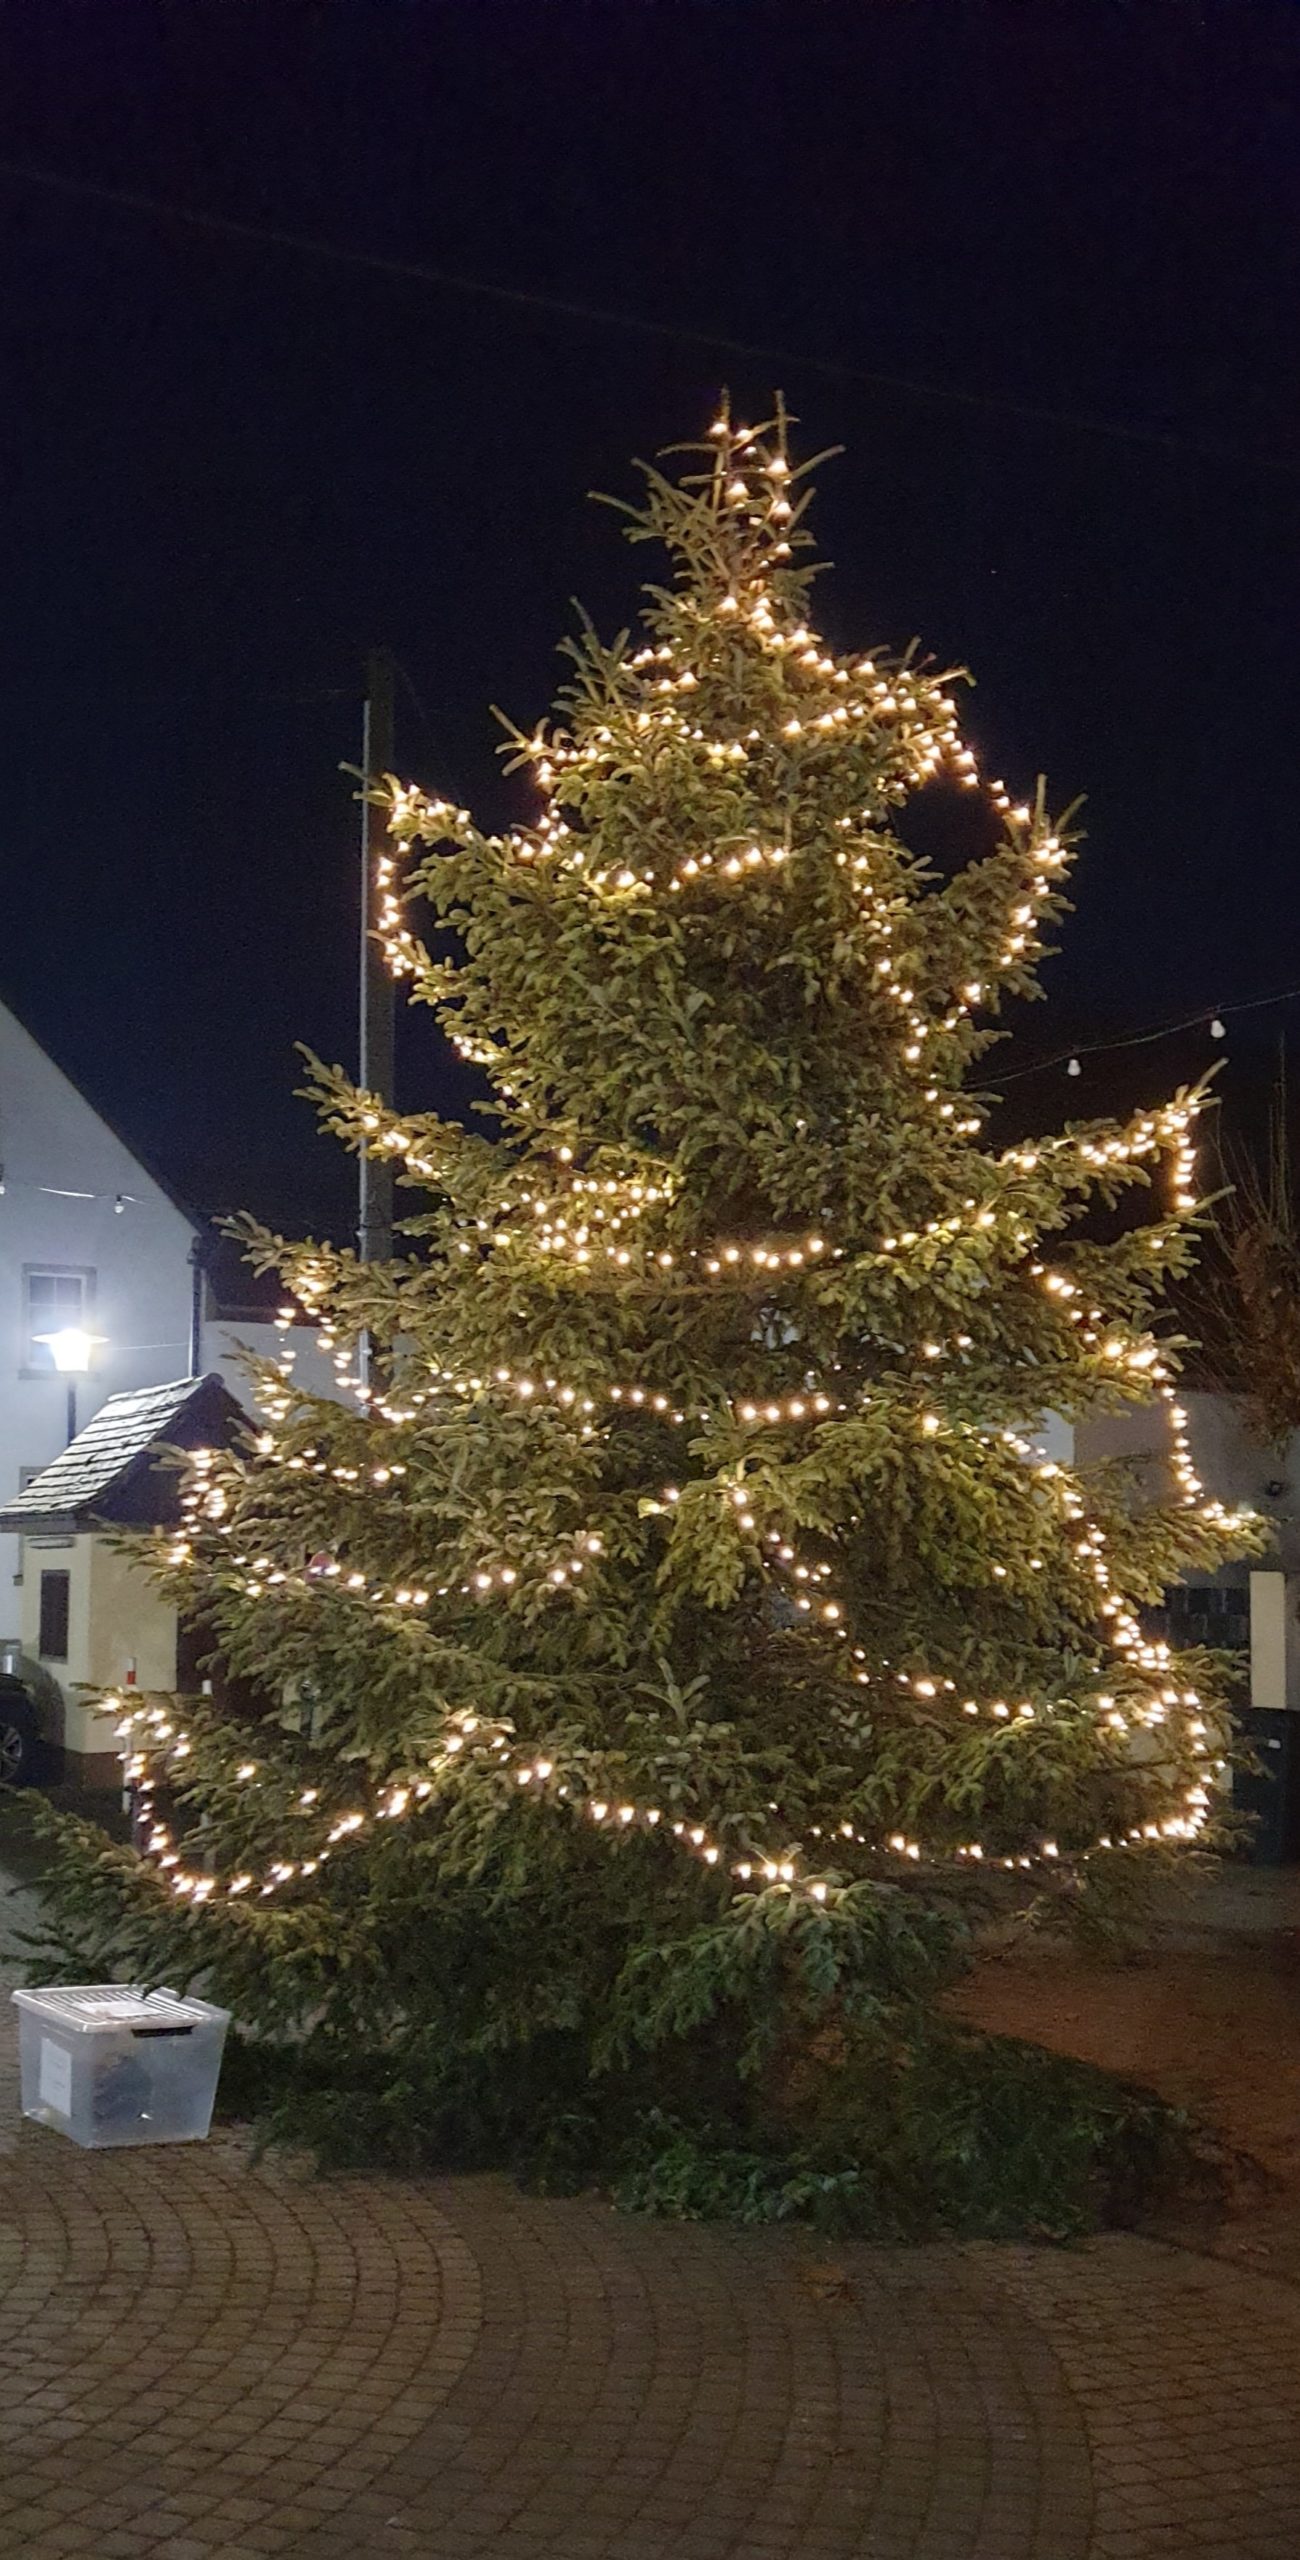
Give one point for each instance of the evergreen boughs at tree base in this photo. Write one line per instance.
(685, 1627)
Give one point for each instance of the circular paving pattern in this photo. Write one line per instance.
(197, 2356)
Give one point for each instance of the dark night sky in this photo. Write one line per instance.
(228, 467)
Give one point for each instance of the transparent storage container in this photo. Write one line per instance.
(107, 2064)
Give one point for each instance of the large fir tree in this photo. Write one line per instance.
(686, 1615)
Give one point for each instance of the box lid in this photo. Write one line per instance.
(105, 2008)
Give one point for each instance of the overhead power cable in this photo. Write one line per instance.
(641, 324)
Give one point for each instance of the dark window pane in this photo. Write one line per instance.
(52, 1643)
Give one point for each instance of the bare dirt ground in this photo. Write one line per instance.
(1207, 2014)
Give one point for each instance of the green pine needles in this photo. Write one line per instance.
(687, 1624)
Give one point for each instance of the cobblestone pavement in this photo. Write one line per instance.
(197, 2357)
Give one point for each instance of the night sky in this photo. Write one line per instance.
(229, 467)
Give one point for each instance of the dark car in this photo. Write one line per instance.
(31, 1718)
(19, 1731)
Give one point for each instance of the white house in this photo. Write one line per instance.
(90, 1244)
(91, 1618)
(95, 1247)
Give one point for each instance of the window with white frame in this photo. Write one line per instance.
(56, 1299)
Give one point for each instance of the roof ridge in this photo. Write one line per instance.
(118, 1436)
(193, 1217)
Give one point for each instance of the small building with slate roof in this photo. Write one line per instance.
(90, 1616)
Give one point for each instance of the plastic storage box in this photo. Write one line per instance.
(108, 2064)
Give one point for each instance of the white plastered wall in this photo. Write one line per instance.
(120, 1629)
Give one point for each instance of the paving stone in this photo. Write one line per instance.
(199, 2357)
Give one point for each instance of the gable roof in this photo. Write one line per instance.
(110, 1473)
(128, 1145)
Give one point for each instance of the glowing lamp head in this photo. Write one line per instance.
(71, 1349)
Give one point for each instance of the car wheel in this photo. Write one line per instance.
(17, 1742)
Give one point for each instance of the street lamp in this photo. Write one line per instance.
(71, 1349)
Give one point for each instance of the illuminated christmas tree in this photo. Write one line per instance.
(687, 1616)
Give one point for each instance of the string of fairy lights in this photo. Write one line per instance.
(621, 1206)
(586, 1216)
(417, 1792)
(151, 1735)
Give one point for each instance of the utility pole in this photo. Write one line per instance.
(375, 1202)
(196, 1305)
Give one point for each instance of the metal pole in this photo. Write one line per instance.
(375, 1201)
(72, 1411)
(196, 1307)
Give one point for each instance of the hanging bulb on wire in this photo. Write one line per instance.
(1217, 1031)
(1074, 1068)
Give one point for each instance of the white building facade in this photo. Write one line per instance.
(89, 1242)
(93, 1243)
(1259, 1594)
